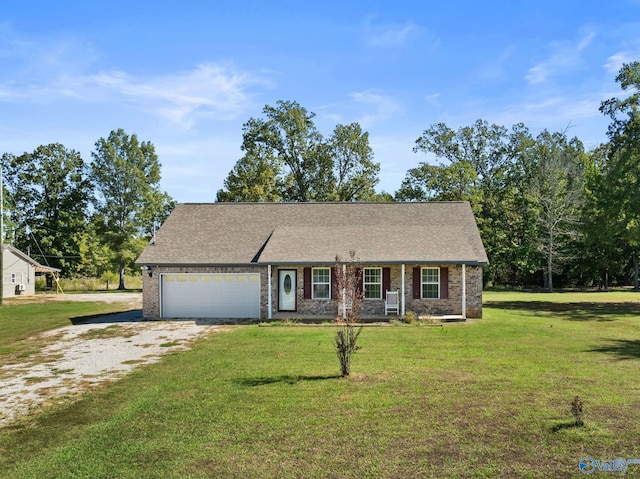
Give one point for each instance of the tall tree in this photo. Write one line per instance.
(49, 197)
(287, 159)
(454, 182)
(289, 135)
(354, 170)
(479, 164)
(602, 246)
(126, 177)
(254, 178)
(624, 157)
(556, 187)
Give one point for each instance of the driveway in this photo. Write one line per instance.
(71, 360)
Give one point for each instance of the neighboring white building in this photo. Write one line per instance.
(19, 272)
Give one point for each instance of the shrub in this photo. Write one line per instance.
(409, 318)
(577, 411)
(349, 324)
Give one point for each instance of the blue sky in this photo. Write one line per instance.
(186, 75)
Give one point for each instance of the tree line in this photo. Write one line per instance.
(85, 218)
(550, 213)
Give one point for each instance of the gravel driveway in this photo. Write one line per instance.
(75, 358)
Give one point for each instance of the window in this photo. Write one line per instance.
(430, 283)
(372, 283)
(321, 283)
(13, 277)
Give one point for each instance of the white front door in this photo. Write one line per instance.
(287, 290)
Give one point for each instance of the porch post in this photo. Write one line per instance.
(344, 294)
(464, 292)
(269, 292)
(403, 294)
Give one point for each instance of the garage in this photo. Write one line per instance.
(214, 295)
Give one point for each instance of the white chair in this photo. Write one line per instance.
(391, 303)
(343, 307)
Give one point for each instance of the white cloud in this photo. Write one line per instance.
(210, 90)
(381, 108)
(65, 68)
(564, 56)
(615, 61)
(433, 99)
(389, 35)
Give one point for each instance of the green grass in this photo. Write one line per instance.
(489, 398)
(20, 321)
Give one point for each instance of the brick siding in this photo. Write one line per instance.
(310, 307)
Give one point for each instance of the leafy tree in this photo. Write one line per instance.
(355, 172)
(623, 171)
(480, 164)
(49, 197)
(556, 188)
(287, 159)
(126, 176)
(601, 250)
(454, 182)
(254, 178)
(95, 256)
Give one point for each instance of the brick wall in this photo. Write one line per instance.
(307, 307)
(452, 305)
(151, 285)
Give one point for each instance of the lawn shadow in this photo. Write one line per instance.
(132, 316)
(577, 311)
(623, 348)
(565, 425)
(285, 378)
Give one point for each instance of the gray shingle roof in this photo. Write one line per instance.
(25, 257)
(314, 233)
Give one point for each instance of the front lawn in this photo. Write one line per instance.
(22, 319)
(489, 398)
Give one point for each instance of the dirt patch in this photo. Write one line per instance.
(72, 359)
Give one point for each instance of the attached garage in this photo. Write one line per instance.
(214, 295)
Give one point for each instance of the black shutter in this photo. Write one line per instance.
(417, 283)
(334, 283)
(386, 281)
(444, 283)
(306, 284)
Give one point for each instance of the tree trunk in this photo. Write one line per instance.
(121, 284)
(635, 270)
(550, 264)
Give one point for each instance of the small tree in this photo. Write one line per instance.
(350, 301)
(577, 411)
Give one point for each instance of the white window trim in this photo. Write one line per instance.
(422, 283)
(14, 278)
(364, 284)
(313, 283)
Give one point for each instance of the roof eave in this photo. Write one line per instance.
(305, 263)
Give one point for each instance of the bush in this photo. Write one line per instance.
(577, 411)
(104, 283)
(409, 318)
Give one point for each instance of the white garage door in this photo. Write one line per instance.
(218, 295)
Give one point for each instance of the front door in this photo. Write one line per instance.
(287, 290)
